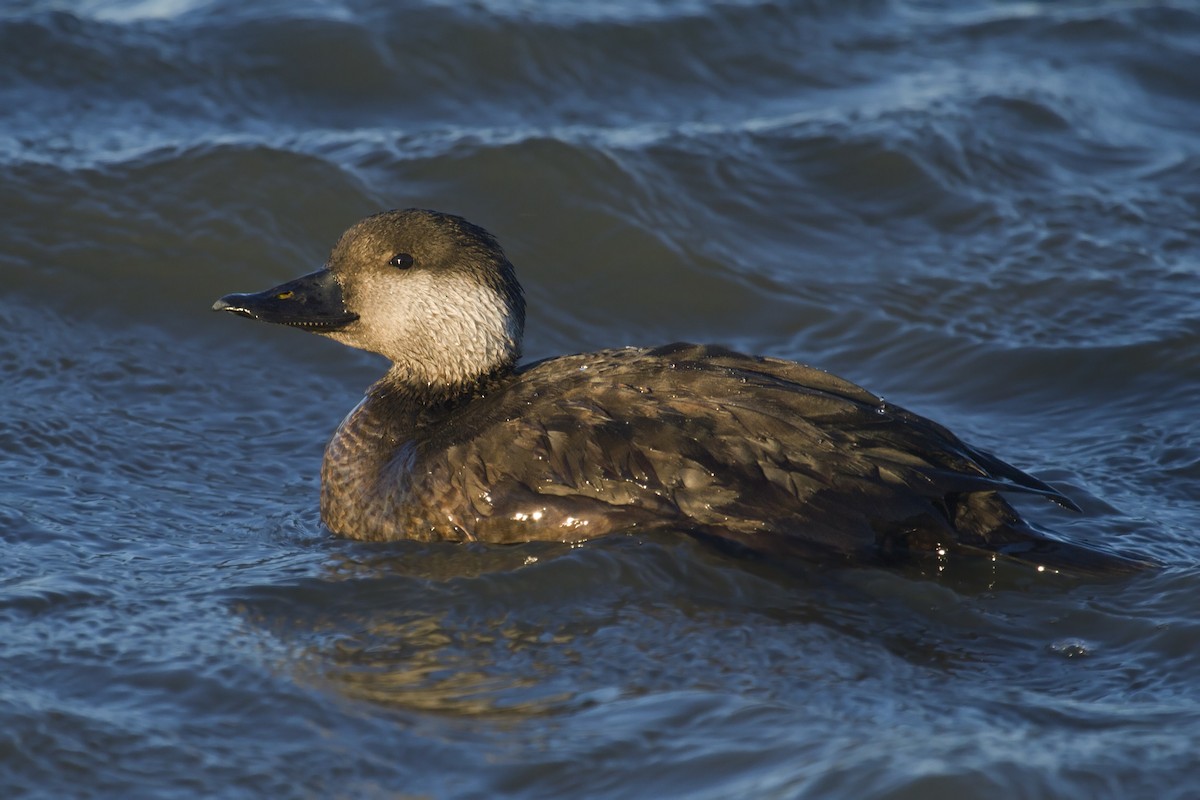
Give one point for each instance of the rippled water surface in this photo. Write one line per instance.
(986, 211)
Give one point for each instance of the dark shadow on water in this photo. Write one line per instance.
(509, 632)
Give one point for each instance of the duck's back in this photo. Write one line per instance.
(769, 455)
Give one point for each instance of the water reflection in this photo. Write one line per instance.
(429, 664)
(485, 631)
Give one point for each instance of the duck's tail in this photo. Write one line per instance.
(987, 524)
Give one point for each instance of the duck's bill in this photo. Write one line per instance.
(313, 302)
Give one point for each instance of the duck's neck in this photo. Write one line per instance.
(366, 476)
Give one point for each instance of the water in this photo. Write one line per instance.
(986, 211)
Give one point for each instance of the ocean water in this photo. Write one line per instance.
(987, 211)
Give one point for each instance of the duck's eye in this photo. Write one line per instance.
(401, 261)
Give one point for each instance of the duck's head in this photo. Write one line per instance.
(430, 291)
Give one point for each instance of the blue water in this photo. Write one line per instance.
(986, 211)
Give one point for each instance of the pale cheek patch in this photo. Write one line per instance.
(444, 328)
(487, 318)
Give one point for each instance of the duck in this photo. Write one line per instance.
(760, 456)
